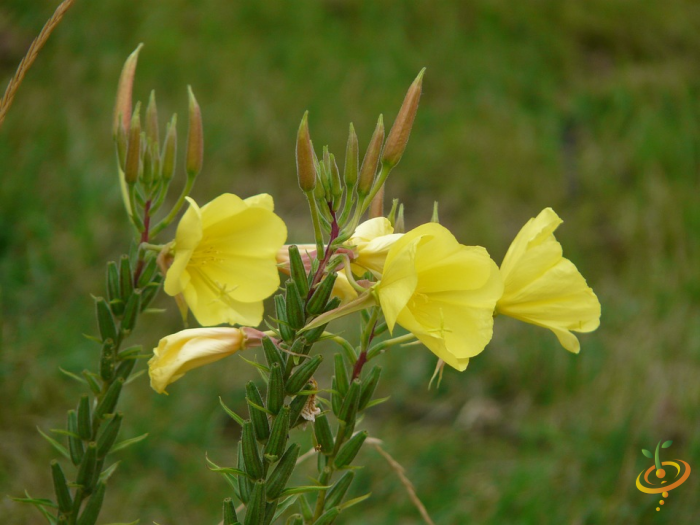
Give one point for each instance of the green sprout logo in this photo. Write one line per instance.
(660, 485)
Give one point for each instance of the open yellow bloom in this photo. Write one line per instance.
(441, 291)
(225, 259)
(543, 288)
(188, 349)
(372, 241)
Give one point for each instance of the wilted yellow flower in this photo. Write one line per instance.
(225, 259)
(441, 291)
(543, 288)
(372, 240)
(188, 349)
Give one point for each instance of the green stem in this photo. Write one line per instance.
(176, 209)
(383, 174)
(318, 236)
(380, 347)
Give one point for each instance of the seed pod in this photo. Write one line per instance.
(255, 513)
(277, 481)
(106, 439)
(126, 283)
(302, 374)
(306, 171)
(257, 416)
(108, 402)
(298, 271)
(317, 303)
(341, 375)
(113, 290)
(369, 163)
(86, 470)
(401, 130)
(336, 398)
(286, 331)
(272, 353)
(251, 455)
(105, 321)
(93, 507)
(230, 517)
(295, 306)
(328, 517)
(348, 451)
(351, 160)
(275, 389)
(75, 445)
(60, 486)
(84, 423)
(131, 312)
(313, 335)
(349, 407)
(295, 408)
(278, 435)
(107, 360)
(245, 486)
(324, 436)
(125, 368)
(270, 509)
(369, 384)
(149, 270)
(149, 292)
(305, 509)
(336, 493)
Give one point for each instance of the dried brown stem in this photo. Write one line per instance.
(31, 55)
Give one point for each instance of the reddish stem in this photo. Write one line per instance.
(145, 234)
(335, 231)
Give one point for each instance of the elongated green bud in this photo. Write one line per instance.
(401, 130)
(150, 291)
(230, 517)
(305, 509)
(306, 171)
(275, 389)
(336, 398)
(348, 451)
(105, 321)
(149, 270)
(328, 517)
(113, 290)
(369, 384)
(122, 145)
(351, 160)
(255, 513)
(369, 163)
(126, 284)
(245, 486)
(336, 183)
(302, 374)
(295, 306)
(257, 416)
(295, 408)
(148, 165)
(122, 107)
(60, 486)
(75, 445)
(278, 435)
(277, 481)
(108, 402)
(108, 436)
(272, 353)
(324, 436)
(317, 303)
(131, 312)
(335, 494)
(293, 356)
(152, 121)
(86, 470)
(133, 150)
(195, 138)
(341, 375)
(126, 367)
(169, 157)
(286, 331)
(349, 407)
(251, 455)
(93, 507)
(298, 271)
(400, 226)
(315, 333)
(107, 360)
(84, 422)
(270, 509)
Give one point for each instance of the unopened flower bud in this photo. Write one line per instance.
(435, 217)
(401, 130)
(306, 171)
(133, 150)
(169, 151)
(376, 207)
(400, 226)
(336, 183)
(122, 107)
(351, 159)
(369, 164)
(152, 120)
(122, 143)
(195, 138)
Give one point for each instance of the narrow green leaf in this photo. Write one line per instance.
(133, 377)
(259, 407)
(354, 501)
(55, 444)
(128, 442)
(223, 470)
(73, 376)
(259, 366)
(303, 490)
(107, 473)
(64, 432)
(376, 402)
(284, 505)
(41, 502)
(238, 419)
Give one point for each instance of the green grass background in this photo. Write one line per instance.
(589, 107)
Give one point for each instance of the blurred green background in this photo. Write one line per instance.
(589, 107)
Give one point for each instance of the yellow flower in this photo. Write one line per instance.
(224, 261)
(441, 291)
(372, 241)
(543, 288)
(188, 349)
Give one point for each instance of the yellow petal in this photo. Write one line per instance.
(398, 282)
(261, 201)
(373, 239)
(187, 237)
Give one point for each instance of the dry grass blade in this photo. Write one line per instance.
(30, 57)
(401, 473)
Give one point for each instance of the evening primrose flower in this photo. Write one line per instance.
(441, 291)
(181, 352)
(372, 241)
(224, 262)
(543, 288)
